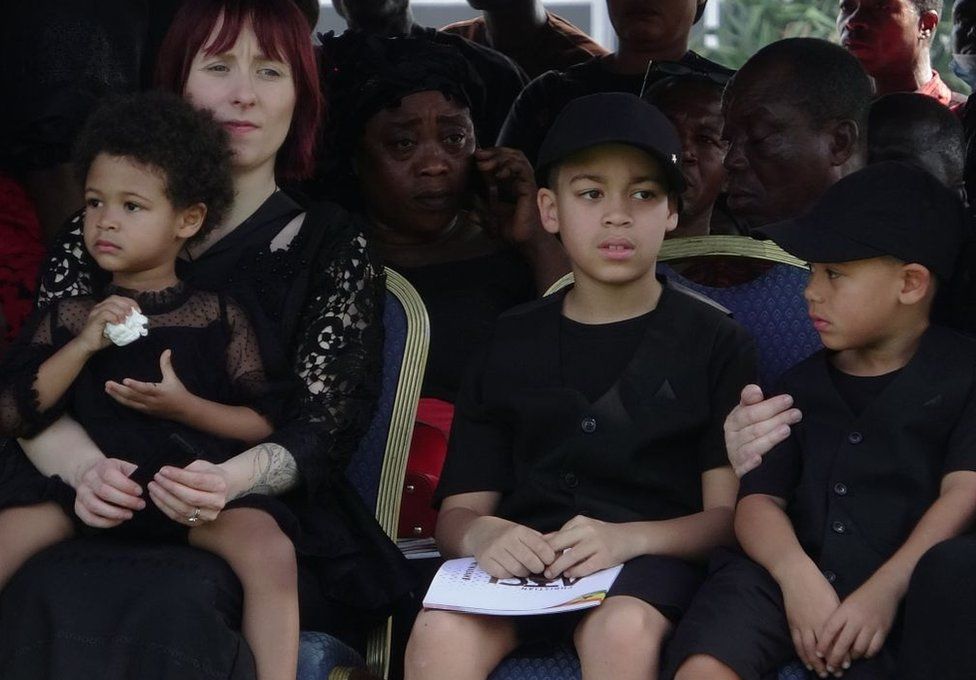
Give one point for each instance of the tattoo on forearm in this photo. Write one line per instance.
(273, 470)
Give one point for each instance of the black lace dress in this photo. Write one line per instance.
(91, 608)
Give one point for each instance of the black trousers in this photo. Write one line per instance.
(939, 639)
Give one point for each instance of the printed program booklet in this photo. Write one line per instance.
(461, 585)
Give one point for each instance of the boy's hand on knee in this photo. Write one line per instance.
(587, 545)
(809, 601)
(860, 625)
(505, 549)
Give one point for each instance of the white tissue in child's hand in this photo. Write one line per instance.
(131, 329)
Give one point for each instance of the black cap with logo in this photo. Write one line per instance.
(890, 208)
(607, 118)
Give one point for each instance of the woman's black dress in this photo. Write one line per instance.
(96, 608)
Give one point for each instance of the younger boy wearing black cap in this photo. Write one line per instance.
(590, 432)
(883, 464)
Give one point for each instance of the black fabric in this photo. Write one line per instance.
(61, 58)
(737, 616)
(541, 101)
(857, 485)
(592, 356)
(192, 642)
(637, 453)
(859, 391)
(464, 300)
(940, 614)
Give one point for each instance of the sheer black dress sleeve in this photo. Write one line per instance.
(47, 331)
(257, 374)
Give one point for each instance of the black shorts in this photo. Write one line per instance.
(738, 617)
(666, 583)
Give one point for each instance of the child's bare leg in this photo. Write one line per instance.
(621, 640)
(704, 667)
(453, 646)
(27, 530)
(263, 558)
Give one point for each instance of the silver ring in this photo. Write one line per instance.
(194, 516)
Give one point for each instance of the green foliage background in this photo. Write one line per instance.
(747, 25)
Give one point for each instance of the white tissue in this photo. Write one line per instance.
(130, 330)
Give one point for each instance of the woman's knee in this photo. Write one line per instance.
(704, 667)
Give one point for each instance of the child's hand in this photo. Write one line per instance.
(809, 601)
(859, 626)
(112, 309)
(588, 545)
(511, 194)
(505, 549)
(166, 399)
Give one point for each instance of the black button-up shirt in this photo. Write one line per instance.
(857, 485)
(636, 453)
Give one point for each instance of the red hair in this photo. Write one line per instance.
(282, 33)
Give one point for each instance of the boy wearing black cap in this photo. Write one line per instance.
(882, 465)
(590, 432)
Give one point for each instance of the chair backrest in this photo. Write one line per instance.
(378, 467)
(379, 464)
(770, 306)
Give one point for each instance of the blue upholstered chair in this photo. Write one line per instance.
(378, 467)
(771, 307)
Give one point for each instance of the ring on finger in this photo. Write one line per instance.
(194, 516)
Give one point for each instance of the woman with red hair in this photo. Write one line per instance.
(308, 271)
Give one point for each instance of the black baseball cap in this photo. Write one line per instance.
(889, 208)
(607, 118)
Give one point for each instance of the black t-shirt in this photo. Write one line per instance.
(613, 343)
(636, 453)
(859, 390)
(856, 485)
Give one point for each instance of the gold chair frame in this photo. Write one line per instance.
(378, 644)
(710, 246)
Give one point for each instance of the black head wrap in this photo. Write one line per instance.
(366, 73)
(363, 74)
